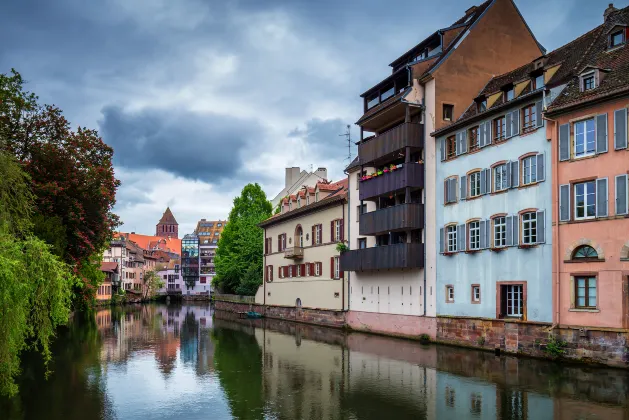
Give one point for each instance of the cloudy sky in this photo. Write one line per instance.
(199, 97)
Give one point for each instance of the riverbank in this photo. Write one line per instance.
(605, 347)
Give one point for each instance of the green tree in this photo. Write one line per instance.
(239, 254)
(152, 282)
(35, 285)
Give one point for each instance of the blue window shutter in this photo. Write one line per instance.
(601, 197)
(540, 167)
(541, 227)
(508, 166)
(515, 121)
(483, 234)
(481, 135)
(622, 205)
(508, 131)
(443, 240)
(601, 133)
(515, 174)
(620, 129)
(487, 133)
(539, 120)
(564, 142)
(564, 203)
(516, 229)
(509, 230)
(443, 149)
(463, 194)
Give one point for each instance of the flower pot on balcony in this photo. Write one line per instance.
(380, 173)
(385, 170)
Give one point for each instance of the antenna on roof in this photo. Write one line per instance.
(348, 136)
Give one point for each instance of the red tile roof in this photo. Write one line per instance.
(154, 242)
(109, 267)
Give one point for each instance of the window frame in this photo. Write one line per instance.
(450, 109)
(451, 238)
(504, 178)
(532, 170)
(585, 152)
(449, 293)
(337, 230)
(317, 269)
(499, 128)
(507, 92)
(587, 298)
(584, 258)
(532, 228)
(475, 229)
(318, 234)
(476, 297)
(585, 200)
(473, 135)
(530, 112)
(477, 180)
(503, 233)
(536, 78)
(587, 77)
(520, 300)
(337, 267)
(623, 39)
(451, 147)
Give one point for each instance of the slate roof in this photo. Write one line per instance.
(570, 57)
(168, 218)
(109, 267)
(614, 64)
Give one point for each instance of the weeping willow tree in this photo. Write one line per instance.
(35, 286)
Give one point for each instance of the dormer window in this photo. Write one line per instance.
(509, 94)
(290, 205)
(307, 199)
(538, 82)
(588, 82)
(317, 196)
(481, 105)
(617, 38)
(299, 202)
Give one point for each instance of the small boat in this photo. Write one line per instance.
(252, 314)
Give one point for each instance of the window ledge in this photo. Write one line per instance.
(499, 192)
(472, 251)
(616, 48)
(527, 246)
(584, 260)
(448, 254)
(583, 310)
(578, 159)
(498, 249)
(532, 184)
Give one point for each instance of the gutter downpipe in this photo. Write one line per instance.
(556, 214)
(349, 228)
(343, 214)
(263, 279)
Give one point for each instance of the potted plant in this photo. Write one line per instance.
(393, 167)
(379, 172)
(341, 247)
(385, 170)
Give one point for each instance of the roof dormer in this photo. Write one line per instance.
(617, 36)
(590, 78)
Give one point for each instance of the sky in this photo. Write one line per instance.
(200, 97)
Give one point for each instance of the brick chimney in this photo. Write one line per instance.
(611, 9)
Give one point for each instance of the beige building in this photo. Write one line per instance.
(301, 262)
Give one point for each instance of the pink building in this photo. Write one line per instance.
(587, 124)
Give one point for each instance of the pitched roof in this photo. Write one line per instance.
(569, 58)
(109, 267)
(153, 242)
(613, 62)
(168, 218)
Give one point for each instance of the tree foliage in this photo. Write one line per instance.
(71, 177)
(152, 282)
(239, 254)
(35, 285)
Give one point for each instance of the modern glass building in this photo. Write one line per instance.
(190, 260)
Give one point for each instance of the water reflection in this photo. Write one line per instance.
(174, 361)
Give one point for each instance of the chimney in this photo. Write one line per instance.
(133, 233)
(611, 9)
(322, 173)
(292, 174)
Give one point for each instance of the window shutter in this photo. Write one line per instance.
(302, 269)
(332, 238)
(312, 269)
(442, 241)
(601, 133)
(483, 181)
(515, 174)
(541, 227)
(443, 149)
(331, 267)
(453, 190)
(463, 193)
(314, 236)
(446, 192)
(620, 129)
(341, 273)
(508, 167)
(601, 197)
(503, 302)
(285, 271)
(266, 246)
(481, 136)
(564, 142)
(460, 238)
(516, 229)
(508, 131)
(279, 242)
(621, 195)
(483, 234)
(564, 203)
(458, 142)
(509, 230)
(279, 272)
(487, 180)
(539, 121)
(271, 273)
(341, 222)
(540, 168)
(487, 133)
(515, 121)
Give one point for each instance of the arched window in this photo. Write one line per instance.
(584, 251)
(298, 303)
(299, 237)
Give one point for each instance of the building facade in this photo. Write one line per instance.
(295, 179)
(167, 227)
(429, 88)
(190, 264)
(301, 261)
(588, 125)
(105, 290)
(171, 275)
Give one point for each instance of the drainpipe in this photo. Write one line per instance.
(342, 233)
(264, 267)
(556, 239)
(349, 229)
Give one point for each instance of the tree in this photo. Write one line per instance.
(71, 177)
(152, 282)
(35, 285)
(239, 254)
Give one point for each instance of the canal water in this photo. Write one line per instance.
(189, 362)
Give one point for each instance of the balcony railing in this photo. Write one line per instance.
(410, 175)
(384, 257)
(294, 252)
(402, 217)
(397, 138)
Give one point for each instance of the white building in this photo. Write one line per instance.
(295, 179)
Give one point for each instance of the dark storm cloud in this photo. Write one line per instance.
(326, 137)
(205, 146)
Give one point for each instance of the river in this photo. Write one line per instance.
(187, 362)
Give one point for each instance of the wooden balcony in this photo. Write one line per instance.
(384, 257)
(402, 217)
(391, 141)
(294, 253)
(410, 175)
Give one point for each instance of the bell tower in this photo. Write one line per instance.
(167, 225)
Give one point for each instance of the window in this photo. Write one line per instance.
(499, 129)
(308, 274)
(475, 293)
(529, 118)
(585, 252)
(308, 197)
(282, 242)
(318, 229)
(298, 202)
(584, 138)
(219, 224)
(360, 210)
(299, 273)
(588, 82)
(451, 236)
(362, 243)
(500, 231)
(538, 82)
(529, 228)
(585, 200)
(482, 105)
(473, 137)
(513, 297)
(617, 38)
(317, 269)
(448, 112)
(500, 178)
(337, 231)
(299, 237)
(451, 147)
(529, 170)
(290, 205)
(509, 94)
(474, 234)
(449, 294)
(474, 184)
(337, 268)
(585, 292)
(290, 271)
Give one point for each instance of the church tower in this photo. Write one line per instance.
(167, 226)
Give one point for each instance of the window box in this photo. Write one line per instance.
(472, 251)
(527, 246)
(448, 253)
(498, 249)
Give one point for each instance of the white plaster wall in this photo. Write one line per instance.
(430, 233)
(390, 292)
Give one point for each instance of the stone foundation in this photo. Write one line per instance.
(391, 324)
